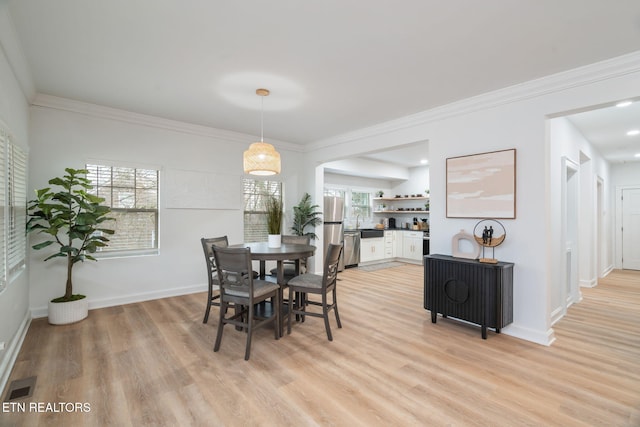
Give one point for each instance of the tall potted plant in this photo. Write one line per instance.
(72, 219)
(305, 216)
(274, 221)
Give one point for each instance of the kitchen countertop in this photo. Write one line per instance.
(425, 235)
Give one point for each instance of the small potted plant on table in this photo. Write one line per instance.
(72, 219)
(274, 221)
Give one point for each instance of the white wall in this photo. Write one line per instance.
(510, 118)
(625, 174)
(334, 180)
(14, 300)
(418, 182)
(567, 142)
(368, 168)
(62, 138)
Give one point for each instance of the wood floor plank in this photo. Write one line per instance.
(152, 364)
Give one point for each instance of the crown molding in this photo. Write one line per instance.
(588, 74)
(99, 111)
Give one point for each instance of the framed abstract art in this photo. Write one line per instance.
(482, 185)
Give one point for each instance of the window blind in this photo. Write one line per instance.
(17, 215)
(3, 204)
(13, 207)
(132, 195)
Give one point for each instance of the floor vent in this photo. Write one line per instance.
(21, 388)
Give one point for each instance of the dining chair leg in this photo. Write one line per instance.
(280, 305)
(239, 310)
(303, 305)
(291, 308)
(335, 308)
(206, 312)
(325, 314)
(223, 312)
(247, 351)
(278, 321)
(298, 295)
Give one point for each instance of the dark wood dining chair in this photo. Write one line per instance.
(212, 275)
(290, 266)
(239, 290)
(306, 284)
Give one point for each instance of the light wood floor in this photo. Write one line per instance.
(152, 364)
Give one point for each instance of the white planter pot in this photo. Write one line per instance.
(63, 313)
(275, 240)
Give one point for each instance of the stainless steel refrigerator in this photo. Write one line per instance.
(333, 226)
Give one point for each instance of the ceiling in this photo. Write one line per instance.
(606, 128)
(332, 66)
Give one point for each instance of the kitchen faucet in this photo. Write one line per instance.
(357, 223)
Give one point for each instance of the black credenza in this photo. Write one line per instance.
(469, 290)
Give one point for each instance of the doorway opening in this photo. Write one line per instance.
(630, 209)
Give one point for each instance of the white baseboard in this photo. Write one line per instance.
(11, 354)
(607, 270)
(557, 314)
(543, 338)
(38, 312)
(591, 283)
(539, 337)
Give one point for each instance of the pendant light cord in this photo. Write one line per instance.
(262, 119)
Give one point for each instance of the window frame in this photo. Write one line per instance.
(14, 161)
(16, 248)
(273, 188)
(108, 251)
(363, 210)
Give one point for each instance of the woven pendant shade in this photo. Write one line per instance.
(261, 159)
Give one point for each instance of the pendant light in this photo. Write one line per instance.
(261, 158)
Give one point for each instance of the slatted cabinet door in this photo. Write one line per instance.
(469, 290)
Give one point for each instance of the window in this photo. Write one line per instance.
(334, 192)
(132, 195)
(13, 208)
(360, 204)
(255, 194)
(17, 213)
(3, 208)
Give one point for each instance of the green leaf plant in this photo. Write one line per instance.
(70, 218)
(274, 215)
(305, 215)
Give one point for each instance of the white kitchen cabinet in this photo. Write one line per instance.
(391, 243)
(372, 249)
(412, 245)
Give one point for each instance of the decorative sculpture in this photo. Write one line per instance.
(489, 233)
(458, 252)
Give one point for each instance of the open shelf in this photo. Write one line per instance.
(399, 199)
(402, 212)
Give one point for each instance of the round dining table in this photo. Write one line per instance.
(260, 251)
